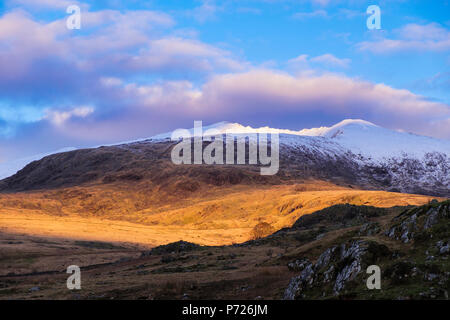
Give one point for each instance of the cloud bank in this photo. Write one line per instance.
(130, 74)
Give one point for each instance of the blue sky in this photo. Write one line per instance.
(137, 68)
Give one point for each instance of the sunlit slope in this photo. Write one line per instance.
(214, 217)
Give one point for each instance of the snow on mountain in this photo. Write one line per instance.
(229, 127)
(378, 157)
(359, 136)
(372, 141)
(373, 152)
(362, 152)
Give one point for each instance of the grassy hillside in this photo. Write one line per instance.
(217, 216)
(413, 258)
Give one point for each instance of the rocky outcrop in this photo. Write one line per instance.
(418, 221)
(334, 269)
(443, 247)
(418, 268)
(299, 265)
(427, 175)
(369, 229)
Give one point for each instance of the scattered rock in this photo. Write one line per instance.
(338, 264)
(443, 247)
(299, 265)
(432, 218)
(415, 224)
(369, 229)
(431, 276)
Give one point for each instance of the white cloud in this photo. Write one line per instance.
(116, 43)
(328, 60)
(58, 118)
(411, 37)
(331, 60)
(206, 11)
(303, 58)
(278, 94)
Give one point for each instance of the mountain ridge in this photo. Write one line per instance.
(335, 133)
(353, 152)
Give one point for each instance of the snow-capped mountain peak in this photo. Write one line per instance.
(352, 125)
(366, 138)
(224, 127)
(359, 136)
(362, 141)
(329, 131)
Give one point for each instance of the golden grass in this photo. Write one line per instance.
(217, 217)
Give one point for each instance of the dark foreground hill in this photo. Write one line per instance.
(411, 249)
(316, 259)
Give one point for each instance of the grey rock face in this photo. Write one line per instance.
(426, 175)
(417, 221)
(443, 247)
(339, 269)
(325, 257)
(431, 276)
(353, 253)
(432, 218)
(390, 233)
(338, 264)
(369, 229)
(349, 273)
(408, 226)
(297, 284)
(292, 290)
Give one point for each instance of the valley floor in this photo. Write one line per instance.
(36, 247)
(116, 231)
(35, 267)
